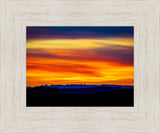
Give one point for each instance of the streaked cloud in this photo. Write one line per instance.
(96, 58)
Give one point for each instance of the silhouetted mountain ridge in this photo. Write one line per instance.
(53, 89)
(80, 86)
(99, 95)
(90, 90)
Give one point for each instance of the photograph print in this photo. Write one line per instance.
(80, 66)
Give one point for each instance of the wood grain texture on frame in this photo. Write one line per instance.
(15, 15)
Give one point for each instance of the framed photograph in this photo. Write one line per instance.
(80, 66)
(88, 66)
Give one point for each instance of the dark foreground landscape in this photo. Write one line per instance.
(81, 95)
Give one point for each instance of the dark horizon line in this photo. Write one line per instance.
(80, 84)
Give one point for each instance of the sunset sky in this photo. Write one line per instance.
(80, 55)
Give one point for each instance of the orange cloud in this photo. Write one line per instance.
(107, 62)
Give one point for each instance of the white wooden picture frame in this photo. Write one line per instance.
(15, 117)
